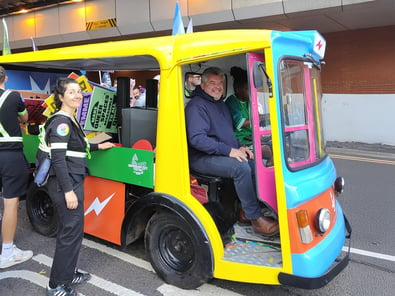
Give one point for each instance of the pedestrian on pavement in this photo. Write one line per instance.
(14, 170)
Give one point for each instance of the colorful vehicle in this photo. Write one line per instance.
(189, 221)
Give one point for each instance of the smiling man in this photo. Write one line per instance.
(214, 149)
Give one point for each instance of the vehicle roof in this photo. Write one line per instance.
(143, 53)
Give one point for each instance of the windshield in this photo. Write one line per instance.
(301, 113)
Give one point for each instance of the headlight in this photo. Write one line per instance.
(323, 220)
(339, 185)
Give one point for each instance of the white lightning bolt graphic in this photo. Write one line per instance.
(36, 88)
(98, 206)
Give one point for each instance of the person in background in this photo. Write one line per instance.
(14, 170)
(136, 92)
(106, 80)
(139, 98)
(157, 78)
(132, 99)
(214, 149)
(192, 80)
(64, 139)
(239, 107)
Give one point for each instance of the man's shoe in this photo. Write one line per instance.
(242, 218)
(18, 256)
(80, 277)
(265, 226)
(61, 290)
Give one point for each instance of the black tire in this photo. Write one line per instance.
(178, 254)
(41, 211)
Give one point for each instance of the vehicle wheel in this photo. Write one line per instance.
(41, 211)
(179, 255)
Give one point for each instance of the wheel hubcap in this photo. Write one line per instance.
(176, 249)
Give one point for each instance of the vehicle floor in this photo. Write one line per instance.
(248, 247)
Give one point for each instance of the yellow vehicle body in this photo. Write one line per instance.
(172, 174)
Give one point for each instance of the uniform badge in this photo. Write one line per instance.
(63, 129)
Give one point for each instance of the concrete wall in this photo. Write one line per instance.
(359, 118)
(359, 86)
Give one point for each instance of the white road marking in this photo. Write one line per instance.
(370, 254)
(216, 290)
(112, 287)
(165, 289)
(95, 280)
(30, 276)
(27, 275)
(118, 254)
(206, 290)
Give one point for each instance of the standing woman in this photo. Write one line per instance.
(68, 148)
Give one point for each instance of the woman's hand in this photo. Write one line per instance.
(105, 145)
(71, 200)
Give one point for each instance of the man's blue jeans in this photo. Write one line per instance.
(242, 174)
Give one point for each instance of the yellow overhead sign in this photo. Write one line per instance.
(102, 24)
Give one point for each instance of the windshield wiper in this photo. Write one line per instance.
(268, 80)
(315, 63)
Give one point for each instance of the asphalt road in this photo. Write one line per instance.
(368, 201)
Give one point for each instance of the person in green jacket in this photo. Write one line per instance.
(239, 107)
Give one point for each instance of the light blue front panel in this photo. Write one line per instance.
(318, 260)
(304, 184)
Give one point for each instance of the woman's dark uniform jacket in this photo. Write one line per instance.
(68, 150)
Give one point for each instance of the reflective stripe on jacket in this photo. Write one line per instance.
(4, 136)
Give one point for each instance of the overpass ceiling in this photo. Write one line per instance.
(13, 6)
(355, 15)
(378, 13)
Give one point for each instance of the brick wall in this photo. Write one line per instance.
(360, 62)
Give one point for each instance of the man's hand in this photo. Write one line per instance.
(243, 153)
(248, 151)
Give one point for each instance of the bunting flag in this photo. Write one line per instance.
(100, 78)
(6, 43)
(106, 79)
(33, 44)
(178, 25)
(190, 26)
